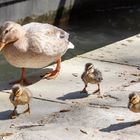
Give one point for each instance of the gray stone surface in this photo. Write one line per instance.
(125, 52)
(15, 10)
(59, 111)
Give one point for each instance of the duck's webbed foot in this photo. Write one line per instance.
(100, 96)
(98, 90)
(99, 93)
(84, 91)
(14, 114)
(55, 73)
(22, 80)
(51, 75)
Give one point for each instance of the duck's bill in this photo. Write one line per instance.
(18, 93)
(2, 45)
(129, 105)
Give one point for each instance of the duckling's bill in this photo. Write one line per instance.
(18, 93)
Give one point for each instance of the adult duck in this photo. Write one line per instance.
(33, 45)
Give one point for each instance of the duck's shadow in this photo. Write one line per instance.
(34, 77)
(119, 126)
(4, 115)
(73, 95)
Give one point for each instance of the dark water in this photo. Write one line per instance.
(101, 28)
(88, 32)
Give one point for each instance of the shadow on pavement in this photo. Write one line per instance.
(34, 77)
(73, 95)
(4, 115)
(119, 126)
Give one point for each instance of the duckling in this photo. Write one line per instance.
(134, 102)
(92, 76)
(19, 96)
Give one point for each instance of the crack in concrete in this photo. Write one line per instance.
(26, 126)
(96, 105)
(137, 66)
(48, 100)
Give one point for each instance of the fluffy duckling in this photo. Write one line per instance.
(134, 102)
(92, 76)
(20, 96)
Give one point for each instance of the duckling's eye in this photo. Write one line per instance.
(133, 99)
(6, 31)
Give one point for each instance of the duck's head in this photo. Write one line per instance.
(9, 33)
(89, 67)
(134, 98)
(17, 90)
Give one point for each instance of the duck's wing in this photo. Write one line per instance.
(46, 38)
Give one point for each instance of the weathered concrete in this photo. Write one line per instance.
(124, 52)
(16, 10)
(60, 111)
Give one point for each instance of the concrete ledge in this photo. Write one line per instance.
(121, 52)
(83, 117)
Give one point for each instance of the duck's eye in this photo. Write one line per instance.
(6, 31)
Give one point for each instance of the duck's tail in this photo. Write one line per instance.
(70, 45)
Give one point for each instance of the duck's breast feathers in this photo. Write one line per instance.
(46, 38)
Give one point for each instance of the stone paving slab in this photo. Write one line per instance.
(125, 52)
(69, 84)
(83, 116)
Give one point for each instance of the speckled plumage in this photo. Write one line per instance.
(37, 44)
(92, 76)
(134, 102)
(23, 99)
(20, 96)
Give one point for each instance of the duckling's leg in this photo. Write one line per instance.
(14, 113)
(84, 89)
(98, 90)
(27, 110)
(23, 79)
(99, 93)
(54, 74)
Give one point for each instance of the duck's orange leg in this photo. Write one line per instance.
(54, 74)
(23, 79)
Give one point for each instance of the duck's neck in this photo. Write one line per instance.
(22, 43)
